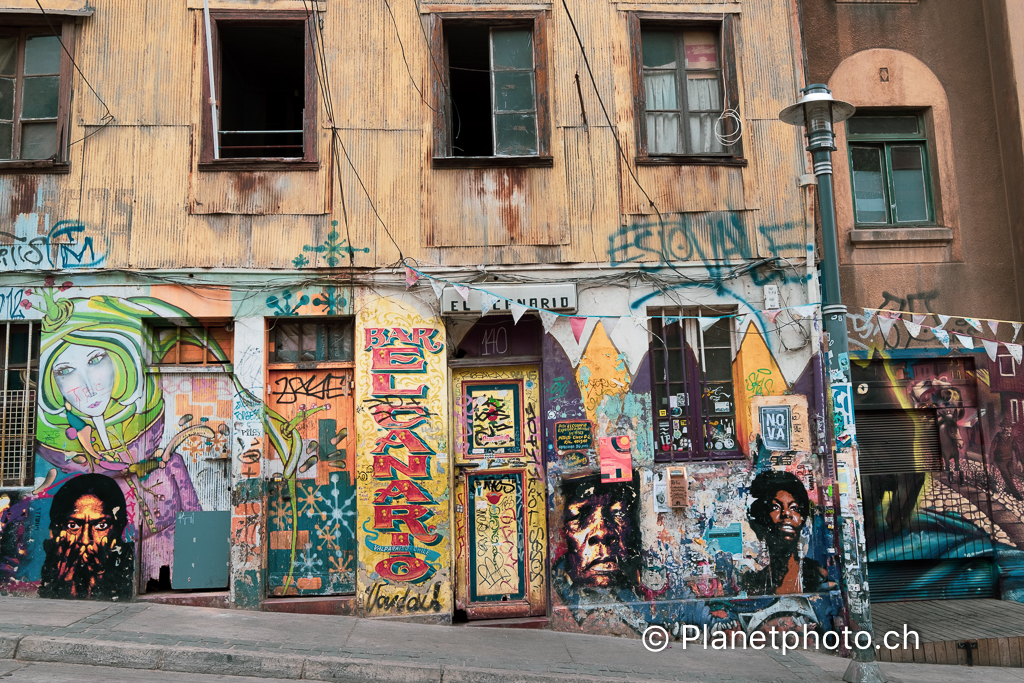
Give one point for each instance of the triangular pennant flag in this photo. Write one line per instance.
(772, 314)
(994, 326)
(411, 276)
(609, 325)
(941, 335)
(705, 323)
(885, 323)
(973, 322)
(517, 312)
(438, 286)
(463, 291)
(487, 301)
(991, 348)
(805, 311)
(943, 319)
(639, 319)
(671, 319)
(1016, 330)
(547, 318)
(577, 324)
(869, 313)
(1016, 350)
(966, 342)
(913, 328)
(918, 319)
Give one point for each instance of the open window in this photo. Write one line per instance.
(686, 91)
(264, 76)
(492, 101)
(35, 92)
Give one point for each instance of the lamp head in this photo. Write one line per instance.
(817, 109)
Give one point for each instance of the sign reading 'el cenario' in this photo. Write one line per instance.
(549, 297)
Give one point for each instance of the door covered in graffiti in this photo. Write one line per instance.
(197, 427)
(311, 460)
(499, 493)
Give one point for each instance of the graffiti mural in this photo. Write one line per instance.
(401, 461)
(87, 555)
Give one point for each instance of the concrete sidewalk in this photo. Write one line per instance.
(290, 646)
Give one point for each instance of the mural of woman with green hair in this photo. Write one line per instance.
(100, 412)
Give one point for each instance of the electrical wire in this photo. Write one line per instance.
(60, 40)
(407, 67)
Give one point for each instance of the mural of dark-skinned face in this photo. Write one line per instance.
(85, 554)
(777, 515)
(601, 528)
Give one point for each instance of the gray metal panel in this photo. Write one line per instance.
(201, 550)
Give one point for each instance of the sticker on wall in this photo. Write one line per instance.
(494, 418)
(616, 461)
(728, 538)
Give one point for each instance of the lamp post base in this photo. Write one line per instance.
(864, 672)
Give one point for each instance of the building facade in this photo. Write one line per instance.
(460, 311)
(928, 196)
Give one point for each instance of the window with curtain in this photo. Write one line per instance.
(683, 92)
(890, 170)
(694, 397)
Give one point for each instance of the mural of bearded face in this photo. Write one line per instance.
(85, 556)
(600, 528)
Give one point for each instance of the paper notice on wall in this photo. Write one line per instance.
(843, 481)
(661, 492)
(616, 460)
(678, 488)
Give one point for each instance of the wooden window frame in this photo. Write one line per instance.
(886, 141)
(274, 363)
(695, 382)
(308, 160)
(442, 154)
(724, 24)
(22, 26)
(18, 416)
(206, 325)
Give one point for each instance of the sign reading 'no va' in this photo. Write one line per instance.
(775, 427)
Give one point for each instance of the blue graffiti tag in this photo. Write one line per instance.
(63, 247)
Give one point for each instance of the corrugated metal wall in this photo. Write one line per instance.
(137, 180)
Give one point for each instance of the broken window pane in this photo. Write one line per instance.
(515, 134)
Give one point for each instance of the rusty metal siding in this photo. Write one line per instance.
(142, 191)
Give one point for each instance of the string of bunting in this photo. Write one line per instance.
(916, 327)
(576, 322)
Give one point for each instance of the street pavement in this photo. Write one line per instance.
(82, 642)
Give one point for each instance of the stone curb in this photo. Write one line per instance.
(263, 665)
(8, 645)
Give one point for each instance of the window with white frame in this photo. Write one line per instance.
(1007, 365)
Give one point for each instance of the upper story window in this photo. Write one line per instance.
(493, 105)
(694, 399)
(34, 91)
(890, 169)
(687, 92)
(265, 79)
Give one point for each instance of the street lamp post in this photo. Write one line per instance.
(817, 111)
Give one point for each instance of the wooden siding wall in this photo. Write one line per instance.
(136, 179)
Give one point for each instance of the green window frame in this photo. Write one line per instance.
(890, 172)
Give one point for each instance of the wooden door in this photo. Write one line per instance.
(500, 515)
(312, 498)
